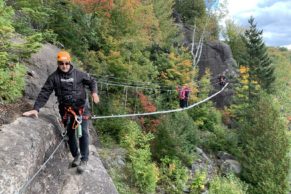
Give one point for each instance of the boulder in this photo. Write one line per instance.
(230, 166)
(203, 163)
(224, 155)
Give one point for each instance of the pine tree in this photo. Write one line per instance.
(257, 59)
(264, 151)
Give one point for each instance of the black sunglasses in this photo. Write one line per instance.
(63, 63)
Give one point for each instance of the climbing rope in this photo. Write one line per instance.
(161, 112)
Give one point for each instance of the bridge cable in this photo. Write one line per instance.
(160, 112)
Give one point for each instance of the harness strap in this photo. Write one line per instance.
(77, 118)
(69, 110)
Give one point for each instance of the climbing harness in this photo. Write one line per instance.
(78, 118)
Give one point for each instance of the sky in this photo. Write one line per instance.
(271, 16)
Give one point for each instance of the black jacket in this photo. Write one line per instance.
(69, 88)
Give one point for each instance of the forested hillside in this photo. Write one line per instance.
(135, 51)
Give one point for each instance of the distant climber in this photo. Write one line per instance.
(69, 86)
(221, 80)
(184, 93)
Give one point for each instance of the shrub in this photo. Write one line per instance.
(11, 82)
(219, 139)
(206, 117)
(111, 128)
(173, 175)
(198, 184)
(144, 172)
(229, 185)
(176, 138)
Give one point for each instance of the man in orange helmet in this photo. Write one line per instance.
(69, 86)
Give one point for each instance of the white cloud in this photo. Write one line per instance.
(287, 46)
(236, 6)
(272, 16)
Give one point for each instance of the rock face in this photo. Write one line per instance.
(27, 143)
(217, 57)
(39, 66)
(204, 164)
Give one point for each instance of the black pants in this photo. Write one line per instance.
(83, 141)
(183, 103)
(73, 142)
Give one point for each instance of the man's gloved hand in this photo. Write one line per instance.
(31, 113)
(95, 98)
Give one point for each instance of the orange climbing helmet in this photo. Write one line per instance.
(63, 56)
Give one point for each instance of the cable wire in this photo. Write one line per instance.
(131, 86)
(161, 112)
(64, 138)
(24, 187)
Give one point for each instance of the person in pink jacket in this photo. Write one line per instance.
(184, 93)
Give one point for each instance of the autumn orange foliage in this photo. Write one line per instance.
(146, 104)
(148, 123)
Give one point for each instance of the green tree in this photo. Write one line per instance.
(6, 31)
(205, 117)
(145, 173)
(282, 62)
(233, 35)
(256, 59)
(191, 10)
(31, 16)
(70, 23)
(264, 148)
(11, 72)
(163, 10)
